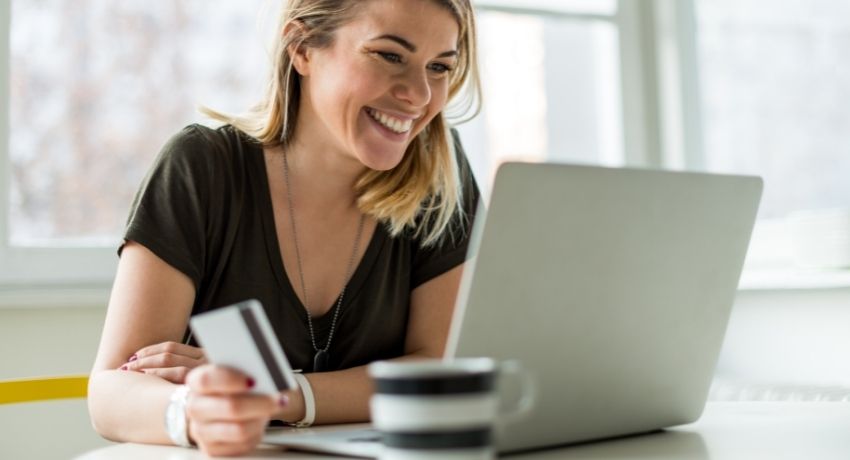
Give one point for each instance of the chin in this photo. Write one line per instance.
(378, 156)
(381, 162)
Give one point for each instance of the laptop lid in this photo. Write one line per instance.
(613, 287)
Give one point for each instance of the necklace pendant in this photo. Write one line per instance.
(320, 361)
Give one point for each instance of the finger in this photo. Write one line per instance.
(172, 374)
(249, 432)
(170, 347)
(207, 409)
(163, 360)
(210, 379)
(217, 449)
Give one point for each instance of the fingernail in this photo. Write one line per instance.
(132, 358)
(283, 401)
(251, 382)
(124, 367)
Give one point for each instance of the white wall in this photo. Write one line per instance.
(777, 337)
(40, 342)
(789, 337)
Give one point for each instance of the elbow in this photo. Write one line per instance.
(100, 429)
(98, 414)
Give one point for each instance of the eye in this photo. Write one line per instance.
(390, 57)
(440, 68)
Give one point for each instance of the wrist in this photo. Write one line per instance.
(293, 411)
(307, 406)
(176, 419)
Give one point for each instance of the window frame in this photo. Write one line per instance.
(72, 273)
(660, 119)
(63, 275)
(641, 118)
(682, 147)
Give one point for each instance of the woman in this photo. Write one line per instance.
(342, 203)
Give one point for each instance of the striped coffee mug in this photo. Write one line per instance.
(442, 409)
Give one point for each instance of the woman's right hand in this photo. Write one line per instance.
(224, 418)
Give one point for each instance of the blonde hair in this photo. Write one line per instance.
(423, 192)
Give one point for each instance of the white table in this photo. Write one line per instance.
(729, 430)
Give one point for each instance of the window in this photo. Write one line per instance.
(774, 83)
(95, 91)
(551, 84)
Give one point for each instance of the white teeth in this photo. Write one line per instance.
(394, 124)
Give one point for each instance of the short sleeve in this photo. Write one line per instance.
(170, 212)
(451, 251)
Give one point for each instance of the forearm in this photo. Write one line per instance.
(341, 396)
(129, 406)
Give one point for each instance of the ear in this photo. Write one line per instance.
(298, 53)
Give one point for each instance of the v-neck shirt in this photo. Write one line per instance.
(205, 208)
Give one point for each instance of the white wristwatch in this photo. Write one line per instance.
(176, 422)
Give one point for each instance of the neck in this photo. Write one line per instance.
(322, 176)
(320, 170)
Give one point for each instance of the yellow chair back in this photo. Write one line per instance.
(43, 389)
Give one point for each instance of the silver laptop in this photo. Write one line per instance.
(612, 287)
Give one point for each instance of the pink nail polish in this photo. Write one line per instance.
(283, 401)
(132, 358)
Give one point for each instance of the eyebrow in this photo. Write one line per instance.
(410, 46)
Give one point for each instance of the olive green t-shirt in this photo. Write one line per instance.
(205, 209)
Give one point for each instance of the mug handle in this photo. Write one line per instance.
(528, 397)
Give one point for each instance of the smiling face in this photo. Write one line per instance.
(381, 81)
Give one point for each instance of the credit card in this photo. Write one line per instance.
(240, 336)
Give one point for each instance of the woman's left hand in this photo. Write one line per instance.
(171, 361)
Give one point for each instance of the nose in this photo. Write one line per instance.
(413, 87)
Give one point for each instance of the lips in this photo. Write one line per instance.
(391, 122)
